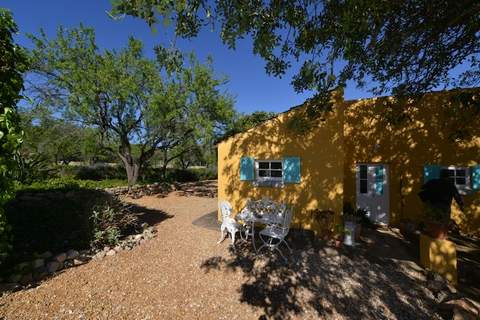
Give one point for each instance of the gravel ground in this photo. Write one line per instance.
(183, 273)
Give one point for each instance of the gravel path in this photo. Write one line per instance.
(184, 274)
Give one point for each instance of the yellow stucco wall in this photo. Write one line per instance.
(321, 156)
(425, 136)
(359, 131)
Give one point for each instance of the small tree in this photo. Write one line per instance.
(13, 62)
(132, 100)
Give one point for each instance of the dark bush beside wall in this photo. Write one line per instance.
(150, 175)
(53, 220)
(94, 172)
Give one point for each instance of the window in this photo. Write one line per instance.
(269, 171)
(363, 179)
(460, 176)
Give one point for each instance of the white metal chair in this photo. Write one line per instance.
(274, 235)
(246, 218)
(228, 223)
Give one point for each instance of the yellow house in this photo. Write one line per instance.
(373, 153)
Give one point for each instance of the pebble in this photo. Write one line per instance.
(26, 279)
(72, 254)
(111, 252)
(61, 257)
(53, 266)
(46, 255)
(37, 263)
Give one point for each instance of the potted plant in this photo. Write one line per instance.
(436, 225)
(356, 216)
(339, 235)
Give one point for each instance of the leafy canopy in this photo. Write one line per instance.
(409, 46)
(13, 62)
(153, 104)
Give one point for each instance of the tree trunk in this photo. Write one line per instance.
(132, 168)
(164, 165)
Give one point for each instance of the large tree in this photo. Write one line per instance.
(152, 104)
(13, 61)
(408, 46)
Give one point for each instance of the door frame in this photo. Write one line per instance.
(386, 186)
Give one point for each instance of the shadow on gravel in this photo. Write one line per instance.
(353, 283)
(150, 216)
(208, 221)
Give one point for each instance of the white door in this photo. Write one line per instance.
(373, 191)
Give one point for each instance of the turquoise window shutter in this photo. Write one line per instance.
(475, 170)
(247, 169)
(379, 179)
(430, 172)
(291, 170)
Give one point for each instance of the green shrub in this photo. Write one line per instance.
(13, 62)
(69, 184)
(109, 223)
(95, 172)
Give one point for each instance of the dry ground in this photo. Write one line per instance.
(184, 274)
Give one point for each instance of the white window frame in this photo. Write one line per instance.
(270, 181)
(462, 188)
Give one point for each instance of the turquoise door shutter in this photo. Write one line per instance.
(430, 172)
(379, 179)
(291, 170)
(475, 170)
(247, 169)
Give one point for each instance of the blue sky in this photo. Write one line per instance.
(252, 87)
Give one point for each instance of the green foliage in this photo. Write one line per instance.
(243, 122)
(408, 46)
(141, 105)
(13, 62)
(105, 233)
(69, 183)
(28, 170)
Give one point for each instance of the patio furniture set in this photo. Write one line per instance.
(273, 218)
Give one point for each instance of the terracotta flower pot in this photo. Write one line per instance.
(338, 243)
(437, 230)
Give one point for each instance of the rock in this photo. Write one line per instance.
(461, 314)
(68, 264)
(60, 258)
(330, 251)
(144, 225)
(37, 263)
(106, 249)
(442, 296)
(100, 255)
(72, 254)
(26, 279)
(9, 286)
(435, 282)
(463, 308)
(111, 252)
(46, 255)
(14, 278)
(40, 273)
(138, 237)
(53, 266)
(142, 241)
(117, 248)
(77, 262)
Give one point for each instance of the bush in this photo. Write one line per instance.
(63, 184)
(95, 172)
(109, 222)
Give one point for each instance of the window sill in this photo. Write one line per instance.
(268, 183)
